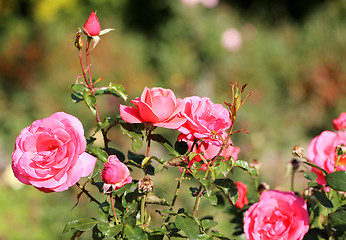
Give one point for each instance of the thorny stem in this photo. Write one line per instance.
(113, 208)
(87, 193)
(143, 209)
(177, 190)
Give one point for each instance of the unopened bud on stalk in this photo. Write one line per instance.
(262, 187)
(297, 151)
(79, 43)
(341, 150)
(145, 185)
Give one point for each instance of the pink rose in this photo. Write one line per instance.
(340, 122)
(115, 174)
(50, 153)
(158, 106)
(322, 151)
(277, 215)
(205, 119)
(209, 151)
(242, 199)
(92, 25)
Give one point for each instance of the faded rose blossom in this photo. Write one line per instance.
(242, 199)
(231, 39)
(277, 215)
(157, 106)
(205, 119)
(115, 174)
(322, 151)
(92, 25)
(209, 151)
(50, 153)
(340, 122)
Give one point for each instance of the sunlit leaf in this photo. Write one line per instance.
(82, 224)
(337, 180)
(134, 233)
(245, 166)
(188, 225)
(99, 153)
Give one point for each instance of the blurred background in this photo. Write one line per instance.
(290, 53)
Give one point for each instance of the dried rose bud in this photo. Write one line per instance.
(92, 26)
(255, 164)
(297, 151)
(262, 187)
(145, 185)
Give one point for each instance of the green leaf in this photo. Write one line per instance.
(82, 224)
(337, 180)
(107, 122)
(137, 138)
(212, 199)
(310, 175)
(77, 97)
(322, 198)
(79, 87)
(134, 233)
(109, 230)
(181, 147)
(160, 139)
(103, 211)
(188, 225)
(337, 220)
(245, 166)
(99, 153)
(114, 89)
(315, 166)
(90, 101)
(208, 223)
(224, 167)
(229, 188)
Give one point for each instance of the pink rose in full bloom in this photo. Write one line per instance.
(340, 122)
(277, 215)
(210, 150)
(50, 153)
(242, 199)
(158, 106)
(92, 25)
(205, 119)
(322, 151)
(115, 174)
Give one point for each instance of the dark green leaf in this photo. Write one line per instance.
(134, 233)
(212, 199)
(337, 180)
(160, 139)
(188, 225)
(109, 230)
(245, 166)
(77, 97)
(322, 198)
(137, 158)
(229, 188)
(99, 153)
(181, 147)
(103, 211)
(310, 175)
(90, 101)
(337, 220)
(82, 224)
(224, 167)
(137, 138)
(79, 87)
(208, 223)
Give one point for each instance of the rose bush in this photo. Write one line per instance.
(50, 153)
(205, 119)
(277, 215)
(157, 106)
(322, 151)
(115, 174)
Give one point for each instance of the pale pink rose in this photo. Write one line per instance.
(242, 199)
(115, 174)
(340, 122)
(231, 40)
(322, 151)
(50, 153)
(92, 25)
(277, 215)
(209, 151)
(210, 3)
(158, 106)
(205, 119)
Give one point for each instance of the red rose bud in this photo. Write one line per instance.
(115, 174)
(92, 26)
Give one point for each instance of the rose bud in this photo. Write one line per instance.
(115, 174)
(92, 26)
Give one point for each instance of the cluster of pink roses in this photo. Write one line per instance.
(195, 117)
(322, 149)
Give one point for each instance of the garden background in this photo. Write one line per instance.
(292, 55)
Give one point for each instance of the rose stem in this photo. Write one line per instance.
(87, 193)
(113, 208)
